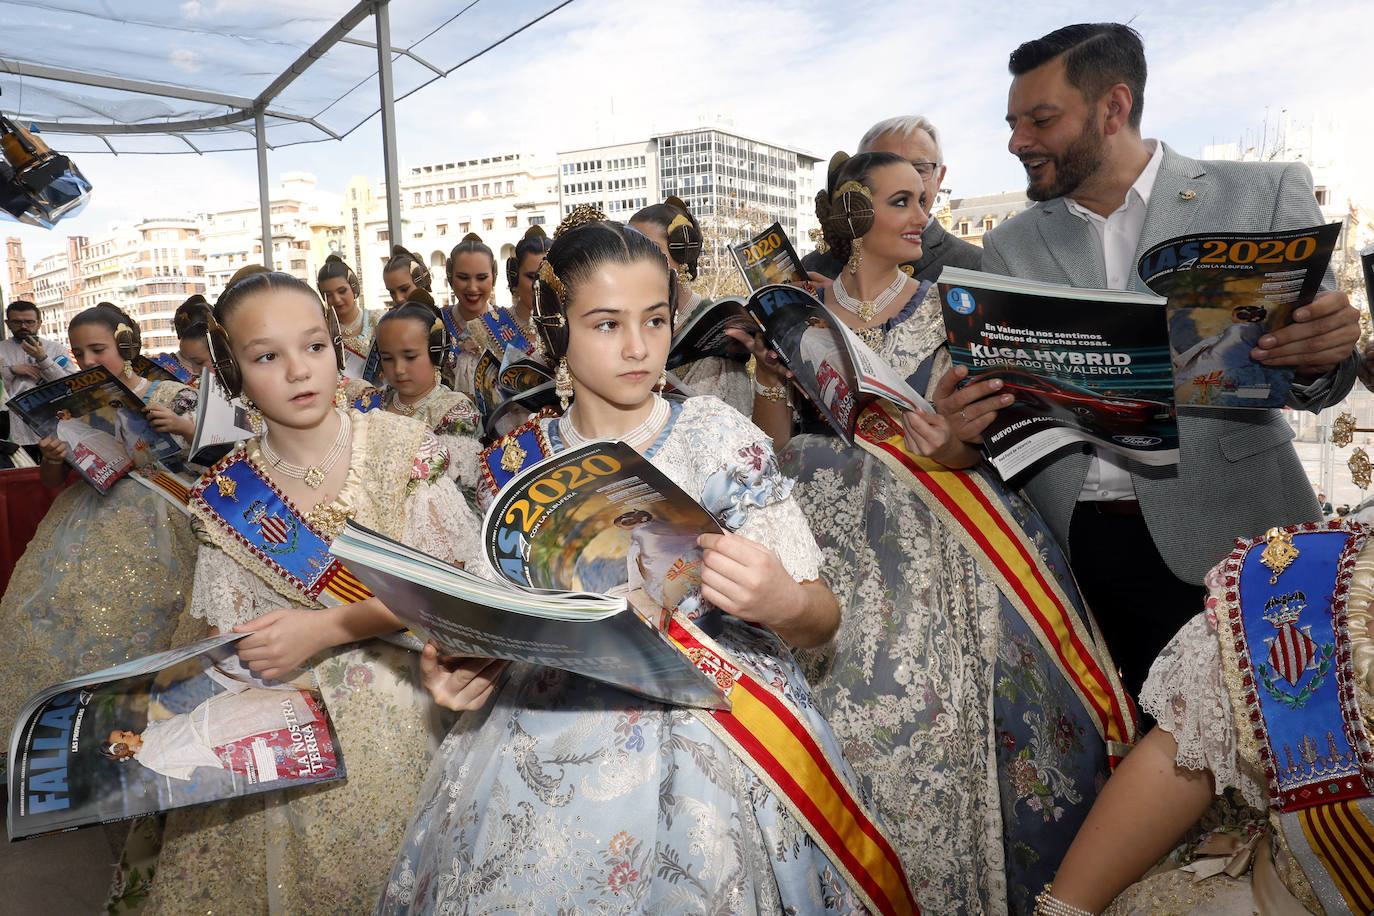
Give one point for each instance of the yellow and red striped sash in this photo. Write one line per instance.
(964, 504)
(1342, 839)
(772, 739)
(167, 485)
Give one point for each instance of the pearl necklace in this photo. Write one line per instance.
(867, 310)
(642, 435)
(357, 327)
(409, 410)
(314, 475)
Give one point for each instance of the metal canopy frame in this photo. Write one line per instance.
(258, 109)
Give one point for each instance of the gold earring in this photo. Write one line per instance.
(856, 256)
(255, 421)
(662, 381)
(438, 378)
(684, 276)
(563, 383)
(340, 396)
(128, 368)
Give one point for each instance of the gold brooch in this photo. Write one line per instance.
(513, 458)
(1187, 195)
(1343, 429)
(1359, 468)
(1279, 553)
(226, 487)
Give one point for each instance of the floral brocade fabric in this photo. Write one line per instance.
(326, 849)
(977, 754)
(568, 796)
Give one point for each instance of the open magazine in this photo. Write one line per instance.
(768, 258)
(1225, 292)
(100, 421)
(221, 422)
(1084, 365)
(584, 550)
(1367, 266)
(836, 370)
(183, 727)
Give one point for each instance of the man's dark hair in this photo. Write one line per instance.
(1097, 56)
(22, 305)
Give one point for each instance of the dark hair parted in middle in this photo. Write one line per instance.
(192, 318)
(845, 206)
(471, 243)
(534, 242)
(577, 254)
(401, 259)
(128, 340)
(226, 365)
(419, 306)
(1097, 56)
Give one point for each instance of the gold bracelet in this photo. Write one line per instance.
(777, 393)
(1046, 904)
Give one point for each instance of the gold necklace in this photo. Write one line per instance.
(864, 309)
(313, 474)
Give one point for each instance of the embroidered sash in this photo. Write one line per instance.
(169, 363)
(764, 730)
(372, 399)
(496, 330)
(967, 506)
(171, 487)
(767, 734)
(1282, 630)
(247, 516)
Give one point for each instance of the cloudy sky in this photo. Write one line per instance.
(808, 73)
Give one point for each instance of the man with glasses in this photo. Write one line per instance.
(26, 361)
(914, 138)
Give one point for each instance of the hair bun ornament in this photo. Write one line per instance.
(189, 312)
(581, 215)
(851, 211)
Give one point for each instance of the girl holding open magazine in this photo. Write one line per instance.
(106, 575)
(556, 793)
(966, 682)
(265, 515)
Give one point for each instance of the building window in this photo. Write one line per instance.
(383, 235)
(486, 189)
(451, 193)
(417, 198)
(464, 227)
(512, 222)
(1323, 196)
(486, 225)
(510, 187)
(463, 193)
(536, 220)
(443, 229)
(429, 197)
(963, 227)
(987, 224)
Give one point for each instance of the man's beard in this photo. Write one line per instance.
(1083, 157)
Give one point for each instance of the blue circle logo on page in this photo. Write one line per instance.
(960, 300)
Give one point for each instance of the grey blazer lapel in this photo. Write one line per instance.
(1178, 196)
(1072, 244)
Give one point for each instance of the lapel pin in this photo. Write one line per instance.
(1187, 195)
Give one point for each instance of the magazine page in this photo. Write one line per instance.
(1367, 265)
(768, 258)
(703, 335)
(184, 727)
(1084, 366)
(221, 422)
(520, 372)
(1225, 292)
(596, 636)
(811, 343)
(372, 366)
(876, 377)
(154, 371)
(355, 363)
(101, 422)
(515, 410)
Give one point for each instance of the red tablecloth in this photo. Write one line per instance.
(23, 503)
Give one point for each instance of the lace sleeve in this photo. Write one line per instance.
(724, 378)
(439, 522)
(224, 594)
(782, 528)
(1186, 694)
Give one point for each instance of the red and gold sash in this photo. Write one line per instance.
(772, 739)
(967, 507)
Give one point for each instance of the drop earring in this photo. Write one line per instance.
(563, 383)
(856, 256)
(662, 381)
(255, 421)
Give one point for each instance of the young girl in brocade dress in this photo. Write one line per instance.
(265, 514)
(555, 793)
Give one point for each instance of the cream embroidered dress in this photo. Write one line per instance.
(454, 421)
(567, 796)
(326, 849)
(979, 757)
(726, 379)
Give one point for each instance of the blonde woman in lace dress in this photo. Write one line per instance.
(326, 849)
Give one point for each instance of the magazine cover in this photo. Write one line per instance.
(1225, 292)
(101, 422)
(179, 728)
(221, 422)
(520, 372)
(768, 258)
(1084, 366)
(164, 367)
(517, 409)
(485, 394)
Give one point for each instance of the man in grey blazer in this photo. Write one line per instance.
(915, 139)
(1141, 539)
